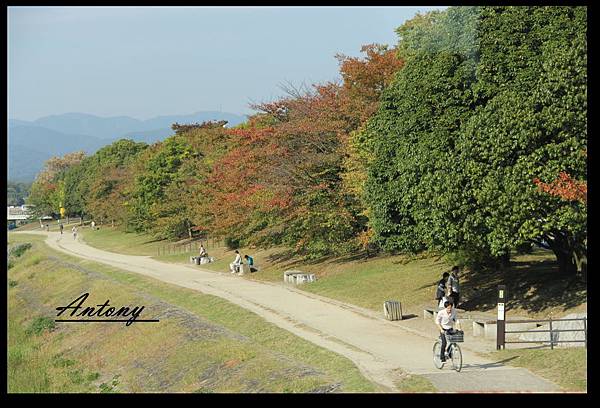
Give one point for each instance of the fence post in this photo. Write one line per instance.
(585, 330)
(501, 321)
(551, 339)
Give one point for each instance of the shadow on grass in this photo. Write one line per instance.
(533, 286)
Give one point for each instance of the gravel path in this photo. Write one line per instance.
(377, 346)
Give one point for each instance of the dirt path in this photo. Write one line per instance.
(377, 346)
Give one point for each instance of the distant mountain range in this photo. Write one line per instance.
(31, 143)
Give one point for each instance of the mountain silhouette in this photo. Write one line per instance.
(31, 143)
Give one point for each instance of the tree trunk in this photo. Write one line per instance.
(566, 263)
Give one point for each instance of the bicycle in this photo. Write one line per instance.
(453, 350)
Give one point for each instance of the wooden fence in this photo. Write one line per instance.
(192, 247)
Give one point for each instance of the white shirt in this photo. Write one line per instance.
(238, 259)
(442, 301)
(445, 320)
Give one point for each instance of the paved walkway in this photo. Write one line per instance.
(377, 346)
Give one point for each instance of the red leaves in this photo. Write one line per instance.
(564, 187)
(252, 134)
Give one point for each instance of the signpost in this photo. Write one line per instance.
(501, 322)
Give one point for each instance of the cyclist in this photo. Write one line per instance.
(445, 320)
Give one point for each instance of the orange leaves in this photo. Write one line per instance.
(252, 134)
(564, 187)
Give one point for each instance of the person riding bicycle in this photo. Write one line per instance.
(445, 320)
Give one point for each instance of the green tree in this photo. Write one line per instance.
(532, 75)
(490, 99)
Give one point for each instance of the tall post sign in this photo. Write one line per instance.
(501, 321)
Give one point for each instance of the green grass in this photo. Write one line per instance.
(202, 343)
(566, 367)
(115, 240)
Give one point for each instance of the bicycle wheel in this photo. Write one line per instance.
(456, 356)
(437, 347)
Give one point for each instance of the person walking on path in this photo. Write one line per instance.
(74, 232)
(235, 265)
(440, 290)
(61, 228)
(93, 225)
(454, 285)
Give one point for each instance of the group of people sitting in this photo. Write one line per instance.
(236, 265)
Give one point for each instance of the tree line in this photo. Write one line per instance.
(468, 137)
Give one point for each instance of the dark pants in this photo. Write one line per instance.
(454, 296)
(444, 343)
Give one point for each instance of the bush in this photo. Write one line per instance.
(232, 243)
(40, 324)
(19, 250)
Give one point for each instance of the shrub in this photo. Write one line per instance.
(39, 324)
(19, 250)
(232, 243)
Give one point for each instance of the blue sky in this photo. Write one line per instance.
(145, 62)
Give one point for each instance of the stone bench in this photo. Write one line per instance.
(245, 268)
(196, 260)
(429, 313)
(488, 328)
(298, 277)
(484, 328)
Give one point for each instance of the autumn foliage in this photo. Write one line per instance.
(565, 187)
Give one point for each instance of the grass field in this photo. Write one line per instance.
(566, 367)
(201, 344)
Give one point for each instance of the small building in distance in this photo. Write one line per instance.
(18, 215)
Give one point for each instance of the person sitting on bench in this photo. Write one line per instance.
(235, 265)
(250, 262)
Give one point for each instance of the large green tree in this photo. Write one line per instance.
(489, 99)
(532, 76)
